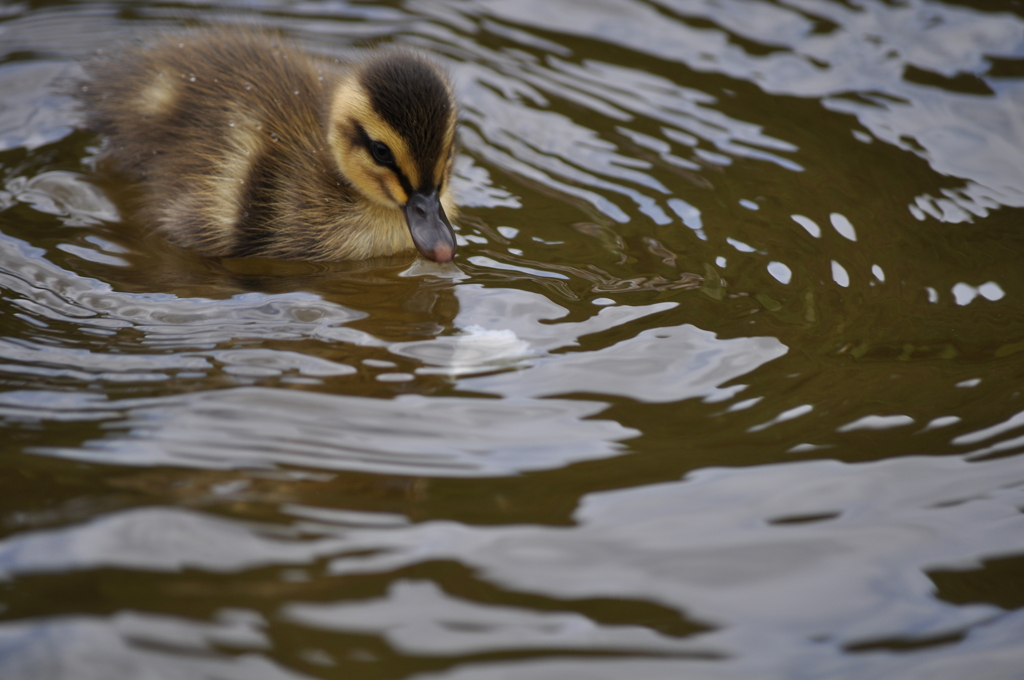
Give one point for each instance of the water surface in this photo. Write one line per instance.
(726, 381)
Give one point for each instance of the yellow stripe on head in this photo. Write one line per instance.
(353, 125)
(411, 95)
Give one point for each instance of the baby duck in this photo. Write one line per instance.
(245, 146)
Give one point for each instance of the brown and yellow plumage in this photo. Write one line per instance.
(244, 145)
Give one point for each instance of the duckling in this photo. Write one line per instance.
(243, 145)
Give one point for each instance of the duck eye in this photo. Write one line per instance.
(381, 153)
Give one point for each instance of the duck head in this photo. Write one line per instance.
(392, 134)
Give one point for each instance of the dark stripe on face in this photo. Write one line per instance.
(364, 140)
(411, 95)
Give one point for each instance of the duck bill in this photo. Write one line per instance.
(431, 231)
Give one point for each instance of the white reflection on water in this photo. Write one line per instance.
(660, 365)
(1013, 423)
(418, 618)
(505, 327)
(964, 293)
(875, 422)
(474, 350)
(132, 645)
(657, 365)
(788, 414)
(410, 435)
(156, 539)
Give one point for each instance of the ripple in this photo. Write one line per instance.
(129, 645)
(51, 293)
(661, 365)
(153, 539)
(709, 545)
(32, 117)
(66, 194)
(265, 428)
(419, 619)
(720, 544)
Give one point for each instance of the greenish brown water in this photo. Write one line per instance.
(726, 383)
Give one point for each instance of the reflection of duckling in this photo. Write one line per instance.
(246, 146)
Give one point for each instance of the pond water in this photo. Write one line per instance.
(726, 380)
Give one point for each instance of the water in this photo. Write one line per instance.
(726, 382)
